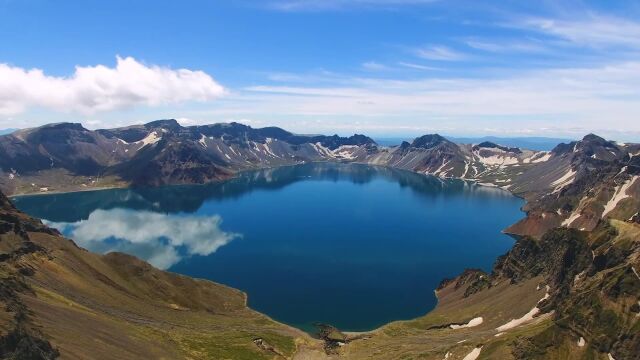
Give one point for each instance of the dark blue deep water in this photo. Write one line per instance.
(349, 245)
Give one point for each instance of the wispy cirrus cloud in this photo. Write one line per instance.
(590, 31)
(92, 89)
(543, 99)
(374, 66)
(503, 46)
(418, 66)
(324, 5)
(439, 53)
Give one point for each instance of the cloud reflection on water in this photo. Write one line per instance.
(161, 239)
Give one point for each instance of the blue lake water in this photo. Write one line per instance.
(350, 245)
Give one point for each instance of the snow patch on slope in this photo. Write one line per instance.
(565, 179)
(526, 317)
(473, 322)
(203, 140)
(581, 342)
(473, 355)
(619, 194)
(267, 147)
(342, 152)
(321, 149)
(346, 151)
(152, 138)
(571, 218)
(497, 159)
(540, 159)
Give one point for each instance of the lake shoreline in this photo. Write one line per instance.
(239, 174)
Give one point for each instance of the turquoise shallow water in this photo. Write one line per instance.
(351, 245)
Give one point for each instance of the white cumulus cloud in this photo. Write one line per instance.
(100, 88)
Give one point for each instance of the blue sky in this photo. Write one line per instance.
(382, 67)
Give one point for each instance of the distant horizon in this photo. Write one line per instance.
(373, 134)
(383, 138)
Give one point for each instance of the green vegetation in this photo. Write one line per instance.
(230, 346)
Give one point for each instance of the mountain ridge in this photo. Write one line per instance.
(68, 157)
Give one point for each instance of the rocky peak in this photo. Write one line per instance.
(64, 126)
(594, 141)
(429, 141)
(591, 147)
(56, 133)
(233, 126)
(491, 145)
(274, 132)
(359, 139)
(593, 138)
(168, 124)
(49, 128)
(233, 132)
(230, 127)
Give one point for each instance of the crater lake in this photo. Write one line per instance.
(350, 245)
